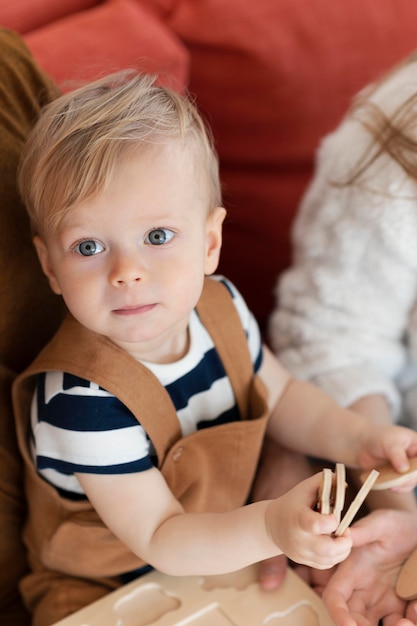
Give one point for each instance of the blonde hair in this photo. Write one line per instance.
(393, 135)
(81, 137)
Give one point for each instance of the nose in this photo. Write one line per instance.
(126, 269)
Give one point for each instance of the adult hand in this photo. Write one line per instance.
(361, 592)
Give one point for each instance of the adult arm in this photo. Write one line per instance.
(344, 306)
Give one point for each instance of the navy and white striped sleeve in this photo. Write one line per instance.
(79, 427)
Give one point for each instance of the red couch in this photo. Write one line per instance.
(271, 76)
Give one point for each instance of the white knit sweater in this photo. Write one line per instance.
(346, 314)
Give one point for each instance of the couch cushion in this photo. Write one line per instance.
(25, 15)
(111, 36)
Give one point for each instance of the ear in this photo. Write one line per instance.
(214, 225)
(45, 262)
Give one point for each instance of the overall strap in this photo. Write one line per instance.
(221, 319)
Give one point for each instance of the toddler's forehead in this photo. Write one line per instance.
(185, 155)
(154, 172)
(188, 151)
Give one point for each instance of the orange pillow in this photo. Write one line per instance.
(25, 15)
(111, 36)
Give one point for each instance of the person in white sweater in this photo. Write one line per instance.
(346, 313)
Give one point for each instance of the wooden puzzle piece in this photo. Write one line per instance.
(234, 599)
(153, 602)
(406, 586)
(388, 477)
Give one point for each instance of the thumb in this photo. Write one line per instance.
(368, 529)
(399, 459)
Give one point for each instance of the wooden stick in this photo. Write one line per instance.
(323, 504)
(356, 503)
(339, 499)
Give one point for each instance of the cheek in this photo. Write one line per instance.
(187, 287)
(78, 289)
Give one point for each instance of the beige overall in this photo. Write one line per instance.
(74, 558)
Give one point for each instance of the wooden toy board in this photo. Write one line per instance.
(230, 600)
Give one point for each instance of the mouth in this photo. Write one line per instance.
(136, 309)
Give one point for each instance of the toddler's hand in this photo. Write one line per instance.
(302, 533)
(395, 444)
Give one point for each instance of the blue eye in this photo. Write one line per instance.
(159, 236)
(89, 247)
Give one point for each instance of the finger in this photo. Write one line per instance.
(388, 617)
(329, 555)
(372, 527)
(322, 524)
(396, 620)
(398, 458)
(314, 484)
(360, 620)
(319, 578)
(271, 572)
(406, 486)
(405, 489)
(411, 612)
(360, 536)
(337, 607)
(303, 571)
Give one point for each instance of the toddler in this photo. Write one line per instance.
(142, 420)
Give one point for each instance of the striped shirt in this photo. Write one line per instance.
(78, 426)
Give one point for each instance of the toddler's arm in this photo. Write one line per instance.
(305, 419)
(140, 509)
